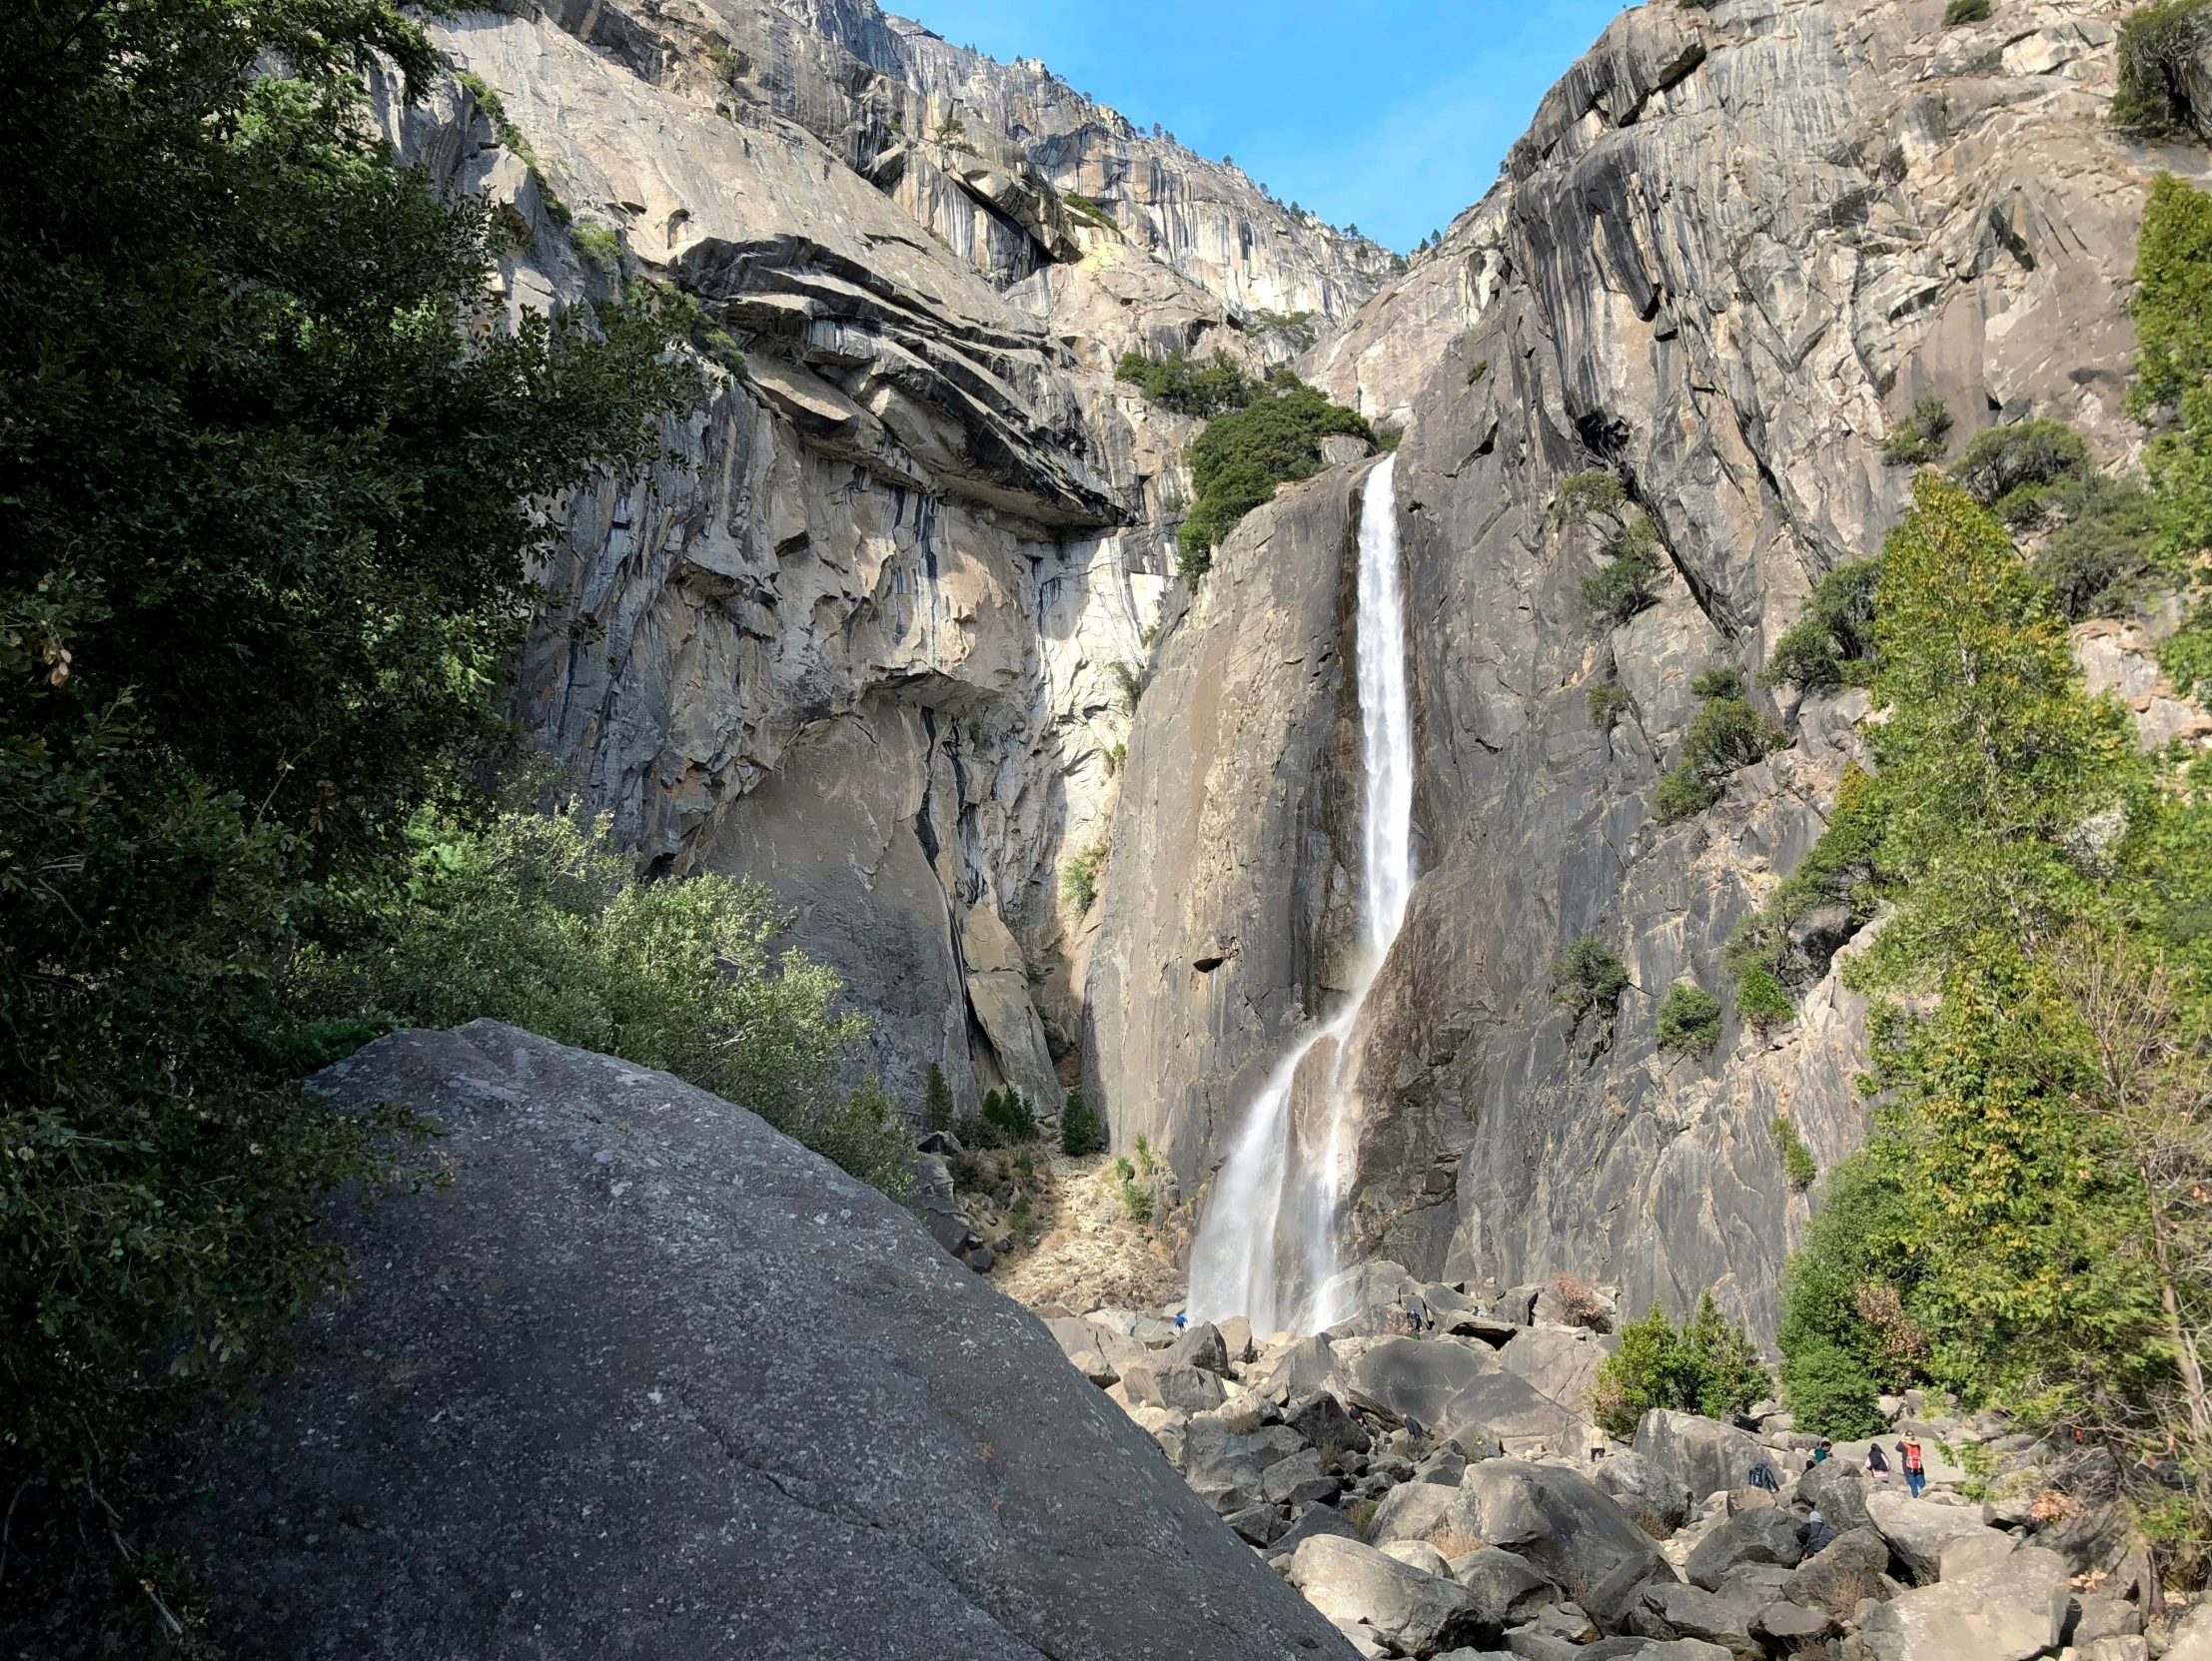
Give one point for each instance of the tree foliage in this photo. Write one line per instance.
(1588, 976)
(1242, 456)
(2150, 93)
(1832, 644)
(1709, 1366)
(1726, 734)
(267, 510)
(1187, 386)
(1688, 1020)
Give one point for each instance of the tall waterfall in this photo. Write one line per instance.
(1268, 1246)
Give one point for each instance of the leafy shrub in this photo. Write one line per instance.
(1294, 328)
(1726, 733)
(538, 922)
(2150, 93)
(1689, 1019)
(1839, 873)
(269, 504)
(1965, 11)
(1082, 1126)
(1709, 1368)
(1130, 681)
(1177, 383)
(1761, 999)
(1084, 208)
(1584, 494)
(1124, 1172)
(1922, 437)
(1628, 580)
(1587, 975)
(936, 1100)
(1832, 644)
(1609, 701)
(2106, 531)
(1079, 878)
(1136, 1199)
(1829, 1393)
(598, 245)
(1242, 456)
(1797, 1162)
(2003, 461)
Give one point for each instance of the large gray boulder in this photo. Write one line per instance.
(1708, 1456)
(1836, 1491)
(1851, 1568)
(1419, 1614)
(1461, 1389)
(2007, 1611)
(1677, 1611)
(1510, 1588)
(1765, 1535)
(1656, 1500)
(1916, 1530)
(650, 1378)
(1567, 1530)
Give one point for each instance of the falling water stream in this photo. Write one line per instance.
(1268, 1247)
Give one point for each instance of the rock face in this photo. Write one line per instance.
(652, 1378)
(1733, 249)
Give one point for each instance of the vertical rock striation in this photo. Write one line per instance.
(1733, 251)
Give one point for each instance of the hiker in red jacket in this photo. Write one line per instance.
(1917, 1474)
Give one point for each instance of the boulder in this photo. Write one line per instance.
(1200, 1346)
(1419, 1614)
(1159, 1384)
(1656, 1500)
(2192, 1636)
(589, 1389)
(1653, 1649)
(1257, 1524)
(1299, 1480)
(1215, 1455)
(1767, 1535)
(1305, 1524)
(2094, 1537)
(1792, 1628)
(1236, 1339)
(2007, 1611)
(2105, 1617)
(1419, 1511)
(1677, 1611)
(1510, 1587)
(1851, 1569)
(1962, 1554)
(1417, 1555)
(1454, 1389)
(1705, 1455)
(1566, 1527)
(1916, 1530)
(1444, 1467)
(1320, 1419)
(1838, 1491)
(1518, 1304)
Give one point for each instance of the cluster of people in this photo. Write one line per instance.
(1878, 1462)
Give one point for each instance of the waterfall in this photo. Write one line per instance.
(1268, 1247)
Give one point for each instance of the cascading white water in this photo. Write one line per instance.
(1268, 1247)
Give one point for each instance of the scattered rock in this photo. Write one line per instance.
(2007, 1611)
(1657, 1501)
(1916, 1530)
(1299, 1480)
(1201, 1346)
(1566, 1528)
(1417, 1555)
(1793, 1628)
(1417, 1613)
(1677, 1611)
(1321, 1420)
(1705, 1455)
(1444, 1467)
(1767, 1535)
(1313, 1520)
(1962, 1554)
(1257, 1524)
(1189, 1389)
(1839, 1492)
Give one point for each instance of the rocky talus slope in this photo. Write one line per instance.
(1421, 1473)
(649, 1378)
(867, 633)
(1734, 250)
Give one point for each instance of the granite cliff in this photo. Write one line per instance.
(1734, 250)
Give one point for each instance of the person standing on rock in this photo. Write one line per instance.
(1878, 1462)
(1917, 1474)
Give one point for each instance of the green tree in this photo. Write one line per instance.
(1832, 643)
(936, 1100)
(268, 506)
(1589, 975)
(1709, 1368)
(1082, 1126)
(1242, 456)
(1689, 1019)
(1726, 734)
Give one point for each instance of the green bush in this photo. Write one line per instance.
(2107, 528)
(270, 502)
(1709, 1368)
(1922, 437)
(1797, 1162)
(1009, 1113)
(1832, 644)
(1830, 1394)
(936, 1100)
(1589, 975)
(538, 922)
(1084, 208)
(1189, 388)
(1609, 701)
(1688, 1020)
(1136, 1199)
(1965, 11)
(1079, 878)
(1726, 734)
(1242, 456)
(2004, 459)
(2150, 93)
(1628, 580)
(1082, 1127)
(601, 245)
(1584, 494)
(1761, 999)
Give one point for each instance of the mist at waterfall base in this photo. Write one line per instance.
(1268, 1247)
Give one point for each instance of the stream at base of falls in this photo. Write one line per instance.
(1268, 1247)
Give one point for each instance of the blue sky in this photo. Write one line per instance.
(1388, 114)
